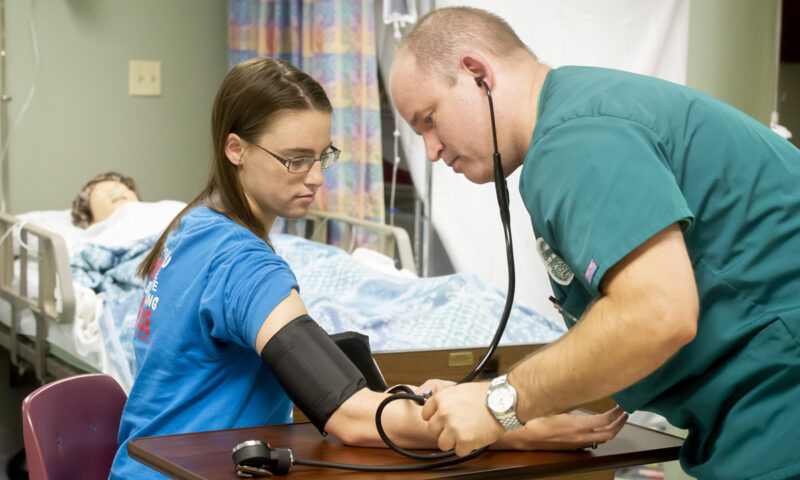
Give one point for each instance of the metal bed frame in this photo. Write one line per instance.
(53, 272)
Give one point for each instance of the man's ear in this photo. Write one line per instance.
(234, 148)
(476, 65)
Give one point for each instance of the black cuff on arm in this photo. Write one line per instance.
(315, 373)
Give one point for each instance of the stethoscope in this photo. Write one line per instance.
(256, 457)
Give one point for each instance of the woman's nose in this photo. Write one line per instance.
(314, 176)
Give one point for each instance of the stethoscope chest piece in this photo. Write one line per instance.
(256, 458)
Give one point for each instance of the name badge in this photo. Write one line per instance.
(557, 268)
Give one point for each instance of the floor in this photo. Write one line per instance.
(14, 387)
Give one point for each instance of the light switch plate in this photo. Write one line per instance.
(144, 77)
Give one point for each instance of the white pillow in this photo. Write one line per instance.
(57, 221)
(130, 223)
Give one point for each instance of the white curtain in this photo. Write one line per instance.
(642, 36)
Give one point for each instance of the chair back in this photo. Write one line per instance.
(70, 427)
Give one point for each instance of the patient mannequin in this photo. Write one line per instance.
(101, 197)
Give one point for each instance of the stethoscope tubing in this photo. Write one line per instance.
(501, 190)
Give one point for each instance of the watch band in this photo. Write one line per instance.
(509, 421)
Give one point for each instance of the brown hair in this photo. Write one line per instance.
(441, 36)
(81, 210)
(249, 98)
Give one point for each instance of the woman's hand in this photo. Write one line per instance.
(434, 385)
(565, 431)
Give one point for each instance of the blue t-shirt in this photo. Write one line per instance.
(614, 159)
(196, 364)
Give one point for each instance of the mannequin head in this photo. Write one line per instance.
(101, 197)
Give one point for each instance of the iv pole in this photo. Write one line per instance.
(4, 99)
(399, 13)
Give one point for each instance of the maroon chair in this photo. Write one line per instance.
(70, 427)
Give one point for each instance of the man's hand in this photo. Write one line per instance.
(565, 431)
(458, 418)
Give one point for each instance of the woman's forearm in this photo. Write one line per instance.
(354, 422)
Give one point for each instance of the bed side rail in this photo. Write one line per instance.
(392, 241)
(53, 271)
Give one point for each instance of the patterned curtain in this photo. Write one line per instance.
(334, 42)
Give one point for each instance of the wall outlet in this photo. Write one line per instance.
(144, 78)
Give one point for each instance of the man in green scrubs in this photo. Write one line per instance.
(669, 223)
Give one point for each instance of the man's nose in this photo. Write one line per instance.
(433, 147)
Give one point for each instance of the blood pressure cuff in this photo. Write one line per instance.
(315, 373)
(356, 346)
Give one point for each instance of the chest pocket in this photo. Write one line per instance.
(573, 299)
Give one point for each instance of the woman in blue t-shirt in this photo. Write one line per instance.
(222, 334)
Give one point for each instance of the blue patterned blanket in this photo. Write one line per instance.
(341, 294)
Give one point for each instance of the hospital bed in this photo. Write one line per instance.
(419, 328)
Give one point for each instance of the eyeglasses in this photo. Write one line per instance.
(304, 164)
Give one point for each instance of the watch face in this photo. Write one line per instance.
(501, 400)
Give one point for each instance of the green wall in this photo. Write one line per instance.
(82, 121)
(732, 53)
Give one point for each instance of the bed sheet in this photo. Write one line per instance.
(402, 312)
(79, 343)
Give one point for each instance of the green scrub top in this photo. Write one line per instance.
(617, 157)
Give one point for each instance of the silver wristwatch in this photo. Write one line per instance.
(501, 400)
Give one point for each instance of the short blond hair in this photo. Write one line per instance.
(440, 37)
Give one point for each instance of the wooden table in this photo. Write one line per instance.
(207, 455)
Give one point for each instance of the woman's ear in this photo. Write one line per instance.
(235, 147)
